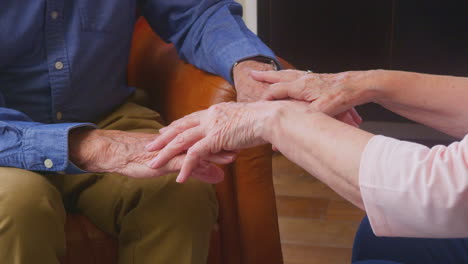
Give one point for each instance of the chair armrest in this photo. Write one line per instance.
(175, 87)
(248, 220)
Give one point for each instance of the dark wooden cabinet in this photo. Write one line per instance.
(328, 36)
(338, 35)
(431, 36)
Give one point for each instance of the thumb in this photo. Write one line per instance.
(327, 105)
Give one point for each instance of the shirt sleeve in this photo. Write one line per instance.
(34, 146)
(410, 190)
(209, 34)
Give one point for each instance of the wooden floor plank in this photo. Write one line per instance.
(300, 207)
(344, 211)
(316, 224)
(291, 180)
(317, 232)
(300, 254)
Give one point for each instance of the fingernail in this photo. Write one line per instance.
(230, 157)
(227, 156)
(179, 179)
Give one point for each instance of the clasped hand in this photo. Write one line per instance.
(223, 128)
(332, 94)
(229, 127)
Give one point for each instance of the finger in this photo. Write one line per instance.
(333, 106)
(179, 144)
(356, 117)
(205, 171)
(208, 173)
(277, 91)
(163, 129)
(276, 76)
(222, 157)
(346, 117)
(301, 89)
(341, 116)
(172, 131)
(190, 118)
(193, 157)
(326, 104)
(174, 165)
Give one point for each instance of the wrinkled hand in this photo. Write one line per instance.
(225, 127)
(98, 150)
(248, 89)
(333, 94)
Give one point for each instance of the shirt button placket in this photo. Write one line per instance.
(55, 39)
(59, 65)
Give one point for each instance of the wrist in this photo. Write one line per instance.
(377, 85)
(271, 116)
(84, 144)
(246, 66)
(277, 114)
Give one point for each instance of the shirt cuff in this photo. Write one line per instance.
(73, 169)
(239, 51)
(45, 147)
(369, 172)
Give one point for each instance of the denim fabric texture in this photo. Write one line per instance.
(63, 64)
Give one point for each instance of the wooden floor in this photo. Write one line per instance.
(316, 224)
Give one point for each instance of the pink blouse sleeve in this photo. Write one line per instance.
(410, 190)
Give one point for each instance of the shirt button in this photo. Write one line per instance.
(48, 163)
(58, 65)
(54, 14)
(59, 115)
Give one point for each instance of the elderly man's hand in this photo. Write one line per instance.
(225, 127)
(248, 89)
(333, 94)
(98, 150)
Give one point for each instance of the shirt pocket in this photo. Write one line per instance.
(112, 17)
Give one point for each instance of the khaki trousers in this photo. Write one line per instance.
(155, 220)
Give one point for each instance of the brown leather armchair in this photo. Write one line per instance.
(247, 229)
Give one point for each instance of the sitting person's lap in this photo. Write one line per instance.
(156, 220)
(369, 249)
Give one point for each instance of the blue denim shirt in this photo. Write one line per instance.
(63, 64)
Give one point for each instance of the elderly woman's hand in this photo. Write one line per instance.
(222, 129)
(333, 94)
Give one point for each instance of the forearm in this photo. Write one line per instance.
(436, 101)
(328, 149)
(209, 33)
(381, 175)
(98, 150)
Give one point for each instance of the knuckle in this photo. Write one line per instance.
(180, 139)
(195, 150)
(193, 153)
(177, 126)
(217, 107)
(305, 83)
(319, 105)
